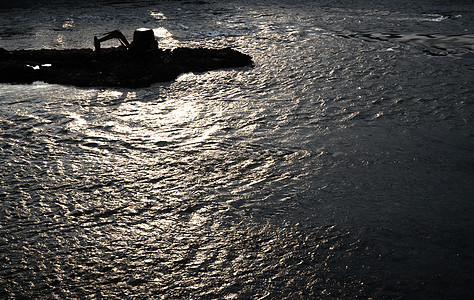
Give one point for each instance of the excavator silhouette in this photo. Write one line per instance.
(143, 40)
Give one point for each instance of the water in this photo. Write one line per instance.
(340, 166)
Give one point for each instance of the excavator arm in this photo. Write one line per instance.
(116, 34)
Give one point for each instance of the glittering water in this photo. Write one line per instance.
(340, 166)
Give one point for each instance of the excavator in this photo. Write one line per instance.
(136, 64)
(143, 40)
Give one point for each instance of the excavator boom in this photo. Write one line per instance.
(116, 34)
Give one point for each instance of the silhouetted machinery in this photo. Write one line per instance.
(143, 40)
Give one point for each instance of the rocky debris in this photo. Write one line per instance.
(112, 67)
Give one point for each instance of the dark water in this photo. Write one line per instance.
(339, 167)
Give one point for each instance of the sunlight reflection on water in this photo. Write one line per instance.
(165, 38)
(328, 170)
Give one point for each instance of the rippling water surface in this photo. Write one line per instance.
(339, 166)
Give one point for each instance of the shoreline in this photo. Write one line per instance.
(113, 67)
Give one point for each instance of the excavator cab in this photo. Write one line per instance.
(143, 40)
